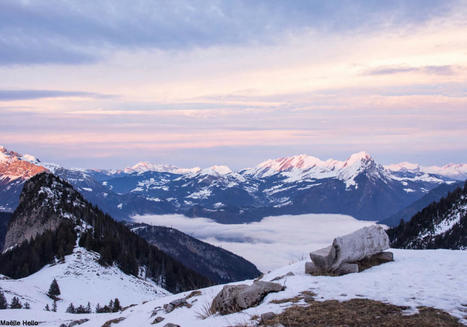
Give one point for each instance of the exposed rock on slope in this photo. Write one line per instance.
(219, 265)
(442, 224)
(43, 207)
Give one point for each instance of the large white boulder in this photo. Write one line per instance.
(350, 248)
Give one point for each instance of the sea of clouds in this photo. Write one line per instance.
(270, 243)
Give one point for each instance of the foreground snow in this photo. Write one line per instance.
(81, 279)
(433, 278)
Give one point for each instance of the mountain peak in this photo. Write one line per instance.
(358, 157)
(216, 170)
(14, 165)
(144, 166)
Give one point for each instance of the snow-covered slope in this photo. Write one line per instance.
(81, 280)
(407, 281)
(442, 224)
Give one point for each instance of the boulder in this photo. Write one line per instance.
(234, 298)
(346, 268)
(157, 320)
(169, 307)
(346, 251)
(267, 316)
(360, 244)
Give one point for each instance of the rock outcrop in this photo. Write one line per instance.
(351, 253)
(40, 209)
(234, 298)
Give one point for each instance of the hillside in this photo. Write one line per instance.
(81, 280)
(219, 265)
(4, 219)
(442, 224)
(408, 212)
(52, 217)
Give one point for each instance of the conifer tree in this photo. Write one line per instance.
(27, 306)
(116, 306)
(54, 290)
(88, 308)
(47, 307)
(71, 308)
(3, 302)
(54, 306)
(15, 303)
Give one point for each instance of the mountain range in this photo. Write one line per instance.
(358, 186)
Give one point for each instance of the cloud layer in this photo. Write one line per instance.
(271, 243)
(34, 32)
(197, 83)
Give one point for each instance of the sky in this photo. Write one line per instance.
(195, 83)
(277, 240)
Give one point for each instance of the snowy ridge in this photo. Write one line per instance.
(407, 281)
(451, 170)
(142, 167)
(303, 167)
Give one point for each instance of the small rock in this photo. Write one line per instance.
(280, 277)
(385, 256)
(169, 307)
(158, 320)
(178, 303)
(171, 325)
(267, 316)
(310, 268)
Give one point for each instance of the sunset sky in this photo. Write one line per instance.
(197, 83)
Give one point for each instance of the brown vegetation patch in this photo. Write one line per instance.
(193, 294)
(128, 306)
(360, 312)
(113, 321)
(307, 296)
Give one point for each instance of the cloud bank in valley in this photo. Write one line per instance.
(271, 243)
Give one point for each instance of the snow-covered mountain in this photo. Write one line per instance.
(442, 224)
(452, 170)
(299, 184)
(15, 169)
(407, 282)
